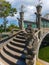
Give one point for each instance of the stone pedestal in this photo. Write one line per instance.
(38, 19)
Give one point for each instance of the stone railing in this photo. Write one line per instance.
(43, 31)
(37, 44)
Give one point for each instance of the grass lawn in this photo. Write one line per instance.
(44, 53)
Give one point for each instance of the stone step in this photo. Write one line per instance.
(8, 58)
(17, 44)
(15, 48)
(14, 53)
(22, 34)
(19, 40)
(19, 36)
(3, 61)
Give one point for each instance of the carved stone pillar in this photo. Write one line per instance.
(38, 18)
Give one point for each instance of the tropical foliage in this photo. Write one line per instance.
(12, 27)
(6, 10)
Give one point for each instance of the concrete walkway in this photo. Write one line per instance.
(43, 62)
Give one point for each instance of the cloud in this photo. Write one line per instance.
(30, 10)
(45, 6)
(30, 7)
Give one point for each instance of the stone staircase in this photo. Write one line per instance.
(13, 53)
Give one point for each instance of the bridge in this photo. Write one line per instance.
(16, 50)
(23, 47)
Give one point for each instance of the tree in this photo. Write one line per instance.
(5, 25)
(1, 0)
(1, 28)
(12, 26)
(6, 10)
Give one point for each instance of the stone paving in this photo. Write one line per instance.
(39, 63)
(43, 62)
(1, 63)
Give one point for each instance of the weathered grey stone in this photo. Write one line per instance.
(29, 62)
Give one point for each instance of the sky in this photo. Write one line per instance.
(29, 9)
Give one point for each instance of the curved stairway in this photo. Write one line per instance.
(13, 52)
